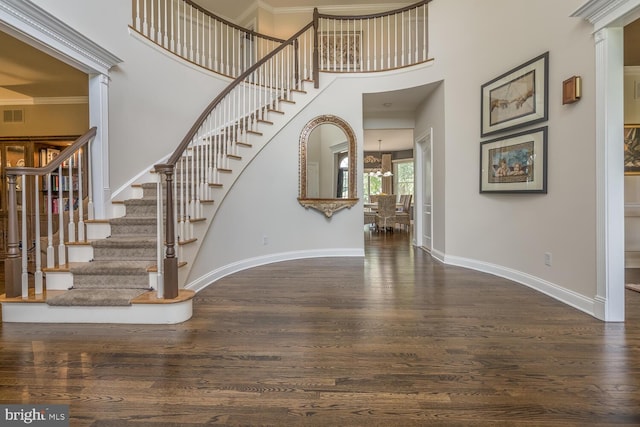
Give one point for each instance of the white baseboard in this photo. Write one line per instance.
(217, 274)
(557, 292)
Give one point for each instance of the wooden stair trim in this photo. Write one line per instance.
(85, 243)
(215, 185)
(244, 144)
(196, 219)
(234, 157)
(96, 221)
(225, 170)
(299, 91)
(186, 242)
(288, 101)
(271, 110)
(266, 122)
(151, 297)
(154, 268)
(254, 132)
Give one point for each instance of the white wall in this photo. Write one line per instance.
(430, 117)
(511, 233)
(263, 202)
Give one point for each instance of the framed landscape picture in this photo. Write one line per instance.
(516, 98)
(632, 149)
(515, 163)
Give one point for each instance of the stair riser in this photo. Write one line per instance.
(142, 254)
(123, 229)
(141, 210)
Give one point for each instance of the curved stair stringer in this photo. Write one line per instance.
(257, 142)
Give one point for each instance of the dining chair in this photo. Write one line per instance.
(403, 217)
(386, 215)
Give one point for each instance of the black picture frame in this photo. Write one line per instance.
(517, 98)
(515, 163)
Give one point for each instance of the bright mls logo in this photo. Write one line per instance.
(35, 415)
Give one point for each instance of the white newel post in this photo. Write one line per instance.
(609, 299)
(99, 168)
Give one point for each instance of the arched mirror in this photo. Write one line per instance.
(327, 165)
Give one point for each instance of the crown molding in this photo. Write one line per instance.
(35, 26)
(603, 13)
(52, 100)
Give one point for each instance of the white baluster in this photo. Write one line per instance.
(165, 40)
(25, 242)
(152, 29)
(62, 256)
(137, 21)
(173, 28)
(69, 204)
(38, 278)
(145, 23)
(50, 249)
(81, 224)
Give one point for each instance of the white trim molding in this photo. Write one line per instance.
(608, 18)
(31, 24)
(604, 13)
(202, 282)
(555, 291)
(53, 100)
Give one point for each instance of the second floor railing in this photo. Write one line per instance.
(199, 36)
(377, 42)
(347, 44)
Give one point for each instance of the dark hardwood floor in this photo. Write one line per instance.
(396, 339)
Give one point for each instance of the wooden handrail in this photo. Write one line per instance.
(170, 264)
(374, 15)
(56, 162)
(241, 78)
(231, 24)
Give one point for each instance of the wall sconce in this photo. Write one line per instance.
(571, 90)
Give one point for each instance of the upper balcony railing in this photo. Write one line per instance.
(378, 42)
(346, 44)
(199, 36)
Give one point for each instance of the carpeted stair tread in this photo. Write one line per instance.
(96, 297)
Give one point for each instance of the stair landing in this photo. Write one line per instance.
(145, 309)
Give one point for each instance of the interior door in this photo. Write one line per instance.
(427, 190)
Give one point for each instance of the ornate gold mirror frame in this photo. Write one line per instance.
(328, 206)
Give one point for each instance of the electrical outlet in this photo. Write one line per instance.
(265, 240)
(547, 259)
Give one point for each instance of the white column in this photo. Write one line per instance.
(609, 299)
(99, 117)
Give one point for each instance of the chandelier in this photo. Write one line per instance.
(378, 172)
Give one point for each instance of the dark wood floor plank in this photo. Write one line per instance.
(396, 339)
